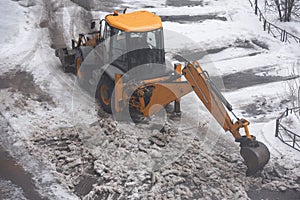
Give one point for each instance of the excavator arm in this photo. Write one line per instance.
(213, 100)
(167, 89)
(255, 153)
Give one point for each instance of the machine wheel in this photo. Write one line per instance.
(68, 69)
(78, 61)
(136, 116)
(104, 92)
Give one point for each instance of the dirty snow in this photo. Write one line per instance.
(71, 151)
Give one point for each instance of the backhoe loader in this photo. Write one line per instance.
(129, 40)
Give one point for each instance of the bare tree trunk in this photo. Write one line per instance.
(285, 10)
(290, 9)
(278, 9)
(299, 96)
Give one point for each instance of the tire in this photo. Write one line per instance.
(77, 63)
(136, 116)
(68, 69)
(104, 92)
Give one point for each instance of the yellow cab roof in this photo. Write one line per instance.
(139, 21)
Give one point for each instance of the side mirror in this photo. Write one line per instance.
(93, 24)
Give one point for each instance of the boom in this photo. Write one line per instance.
(255, 154)
(213, 100)
(165, 90)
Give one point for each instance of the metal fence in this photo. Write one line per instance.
(284, 134)
(272, 29)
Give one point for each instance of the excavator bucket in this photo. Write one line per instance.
(256, 157)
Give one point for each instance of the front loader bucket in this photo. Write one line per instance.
(256, 157)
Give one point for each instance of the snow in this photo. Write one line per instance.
(10, 191)
(291, 122)
(28, 47)
(11, 17)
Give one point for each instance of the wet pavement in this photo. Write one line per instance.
(270, 194)
(103, 5)
(8, 191)
(189, 55)
(178, 3)
(192, 18)
(252, 77)
(11, 171)
(23, 82)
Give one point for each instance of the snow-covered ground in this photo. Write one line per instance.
(70, 150)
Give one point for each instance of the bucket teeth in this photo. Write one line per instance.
(256, 157)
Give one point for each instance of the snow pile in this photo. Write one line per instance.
(105, 160)
(9, 191)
